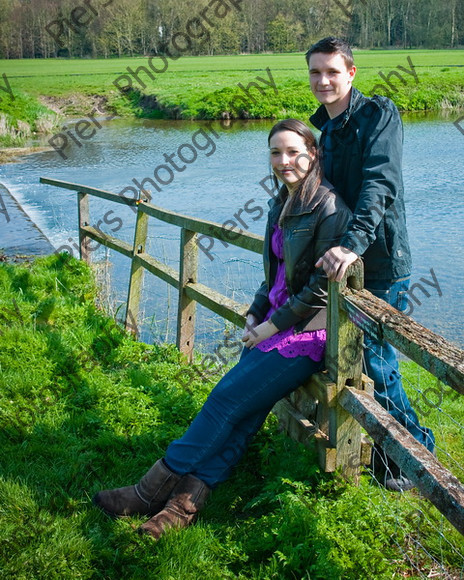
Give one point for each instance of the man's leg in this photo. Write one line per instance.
(381, 365)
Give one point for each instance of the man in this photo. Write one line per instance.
(362, 143)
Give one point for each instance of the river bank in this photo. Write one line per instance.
(14, 154)
(44, 94)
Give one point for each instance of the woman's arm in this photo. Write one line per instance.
(313, 295)
(260, 305)
(256, 334)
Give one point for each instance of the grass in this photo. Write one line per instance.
(84, 406)
(22, 116)
(205, 87)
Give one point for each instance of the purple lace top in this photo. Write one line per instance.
(288, 344)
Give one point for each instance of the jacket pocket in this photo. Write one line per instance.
(298, 232)
(382, 238)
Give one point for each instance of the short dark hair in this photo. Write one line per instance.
(331, 45)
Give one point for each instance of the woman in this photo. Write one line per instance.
(284, 342)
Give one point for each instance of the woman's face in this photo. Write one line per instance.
(290, 160)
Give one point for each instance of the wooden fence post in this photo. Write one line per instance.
(188, 269)
(83, 215)
(344, 365)
(136, 274)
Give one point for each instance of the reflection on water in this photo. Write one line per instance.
(216, 183)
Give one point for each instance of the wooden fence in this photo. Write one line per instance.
(334, 405)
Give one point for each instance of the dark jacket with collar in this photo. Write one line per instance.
(307, 233)
(366, 147)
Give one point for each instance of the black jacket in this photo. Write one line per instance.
(366, 149)
(307, 233)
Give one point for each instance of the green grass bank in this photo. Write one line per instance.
(205, 87)
(84, 406)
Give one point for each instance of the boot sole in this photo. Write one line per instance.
(116, 516)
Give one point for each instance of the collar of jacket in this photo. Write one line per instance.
(299, 209)
(320, 117)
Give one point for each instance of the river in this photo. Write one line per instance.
(212, 171)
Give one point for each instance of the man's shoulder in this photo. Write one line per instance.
(361, 110)
(372, 107)
(320, 117)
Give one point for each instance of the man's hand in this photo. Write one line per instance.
(259, 333)
(336, 261)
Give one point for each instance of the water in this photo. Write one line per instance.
(219, 178)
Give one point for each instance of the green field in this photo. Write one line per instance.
(203, 74)
(83, 406)
(206, 87)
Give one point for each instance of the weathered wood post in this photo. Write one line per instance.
(188, 271)
(344, 365)
(313, 410)
(83, 216)
(136, 274)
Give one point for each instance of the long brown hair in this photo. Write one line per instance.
(311, 181)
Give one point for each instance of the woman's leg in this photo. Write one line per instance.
(233, 413)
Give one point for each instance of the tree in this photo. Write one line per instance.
(133, 27)
(283, 34)
(254, 18)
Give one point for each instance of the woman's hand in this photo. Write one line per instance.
(257, 334)
(250, 323)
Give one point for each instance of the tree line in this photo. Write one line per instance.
(116, 28)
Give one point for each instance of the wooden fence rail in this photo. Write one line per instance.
(333, 405)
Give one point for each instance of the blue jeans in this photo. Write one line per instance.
(382, 365)
(234, 411)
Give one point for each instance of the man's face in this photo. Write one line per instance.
(330, 81)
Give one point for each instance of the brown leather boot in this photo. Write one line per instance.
(147, 497)
(187, 499)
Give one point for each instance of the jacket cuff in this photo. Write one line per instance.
(284, 318)
(355, 242)
(259, 307)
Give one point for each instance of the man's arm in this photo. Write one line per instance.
(382, 182)
(382, 148)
